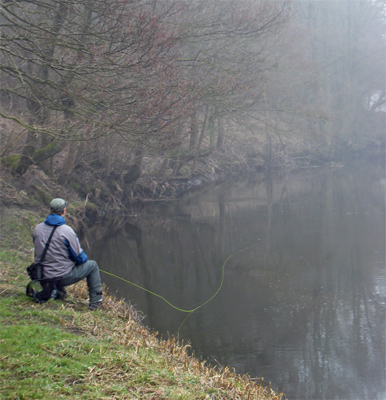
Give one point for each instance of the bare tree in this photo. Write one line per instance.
(225, 58)
(91, 68)
(346, 47)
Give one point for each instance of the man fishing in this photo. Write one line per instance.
(65, 263)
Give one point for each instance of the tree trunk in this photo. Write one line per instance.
(39, 114)
(212, 131)
(37, 118)
(69, 163)
(162, 170)
(48, 151)
(220, 137)
(269, 145)
(200, 139)
(45, 164)
(135, 170)
(193, 133)
(26, 156)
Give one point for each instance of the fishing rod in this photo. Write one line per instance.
(174, 306)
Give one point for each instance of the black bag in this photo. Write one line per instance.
(42, 290)
(35, 271)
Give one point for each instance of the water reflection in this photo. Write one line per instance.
(303, 303)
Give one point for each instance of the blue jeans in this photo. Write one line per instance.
(88, 270)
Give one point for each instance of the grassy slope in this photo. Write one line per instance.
(61, 350)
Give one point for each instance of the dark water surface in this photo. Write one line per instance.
(303, 302)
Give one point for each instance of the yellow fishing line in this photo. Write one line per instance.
(167, 301)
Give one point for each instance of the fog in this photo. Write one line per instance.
(157, 87)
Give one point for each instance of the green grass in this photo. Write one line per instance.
(38, 357)
(42, 359)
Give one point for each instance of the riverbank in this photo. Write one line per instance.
(61, 350)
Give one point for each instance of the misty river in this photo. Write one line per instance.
(303, 300)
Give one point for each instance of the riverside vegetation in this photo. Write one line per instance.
(61, 350)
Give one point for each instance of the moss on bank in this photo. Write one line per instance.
(61, 350)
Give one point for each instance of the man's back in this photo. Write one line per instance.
(64, 249)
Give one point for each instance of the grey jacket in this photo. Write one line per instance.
(64, 251)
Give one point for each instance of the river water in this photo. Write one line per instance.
(302, 261)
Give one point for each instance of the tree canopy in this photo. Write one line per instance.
(154, 77)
